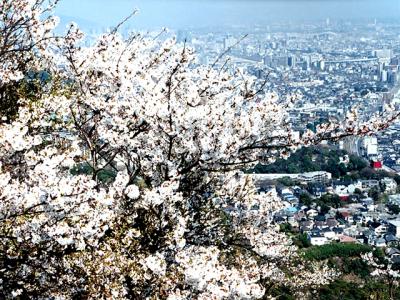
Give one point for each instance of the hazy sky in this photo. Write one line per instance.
(198, 13)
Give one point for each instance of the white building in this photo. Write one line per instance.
(318, 176)
(369, 184)
(349, 189)
(330, 234)
(369, 146)
(394, 228)
(389, 184)
(394, 199)
(317, 239)
(381, 229)
(312, 213)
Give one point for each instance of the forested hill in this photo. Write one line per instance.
(318, 158)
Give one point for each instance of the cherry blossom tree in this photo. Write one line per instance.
(120, 177)
(26, 28)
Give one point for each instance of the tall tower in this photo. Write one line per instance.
(328, 22)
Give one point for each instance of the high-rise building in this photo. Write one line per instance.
(392, 77)
(229, 42)
(384, 76)
(321, 65)
(369, 146)
(280, 61)
(268, 60)
(292, 61)
(380, 67)
(384, 55)
(395, 61)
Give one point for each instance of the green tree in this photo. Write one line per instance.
(324, 209)
(341, 289)
(329, 200)
(305, 199)
(286, 181)
(285, 227)
(301, 240)
(374, 194)
(356, 163)
(394, 209)
(335, 250)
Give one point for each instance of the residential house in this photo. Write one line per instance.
(347, 239)
(361, 239)
(391, 251)
(368, 203)
(312, 213)
(351, 231)
(337, 230)
(317, 189)
(391, 240)
(381, 229)
(328, 233)
(306, 226)
(369, 184)
(347, 216)
(316, 239)
(331, 222)
(394, 254)
(379, 242)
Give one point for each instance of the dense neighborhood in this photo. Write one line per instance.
(359, 204)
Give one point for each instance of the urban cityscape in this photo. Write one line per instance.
(335, 66)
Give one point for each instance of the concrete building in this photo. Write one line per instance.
(308, 177)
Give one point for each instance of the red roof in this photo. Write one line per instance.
(347, 239)
(345, 214)
(377, 164)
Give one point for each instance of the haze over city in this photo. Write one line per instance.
(180, 14)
